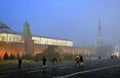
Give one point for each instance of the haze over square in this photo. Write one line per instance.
(68, 19)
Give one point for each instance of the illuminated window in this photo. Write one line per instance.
(9, 38)
(13, 39)
(17, 39)
(3, 38)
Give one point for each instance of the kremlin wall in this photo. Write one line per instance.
(27, 44)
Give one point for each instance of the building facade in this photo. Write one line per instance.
(28, 44)
(9, 36)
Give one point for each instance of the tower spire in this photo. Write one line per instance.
(27, 38)
(27, 32)
(99, 24)
(100, 36)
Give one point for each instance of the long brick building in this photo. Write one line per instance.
(27, 44)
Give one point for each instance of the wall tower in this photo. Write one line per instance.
(27, 39)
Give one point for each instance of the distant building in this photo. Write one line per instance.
(117, 50)
(8, 35)
(102, 50)
(19, 44)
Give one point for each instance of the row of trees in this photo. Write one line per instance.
(52, 53)
(11, 57)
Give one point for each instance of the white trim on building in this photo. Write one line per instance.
(8, 37)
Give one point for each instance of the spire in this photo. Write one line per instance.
(26, 24)
(100, 36)
(26, 31)
(99, 29)
(99, 24)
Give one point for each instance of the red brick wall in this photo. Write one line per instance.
(16, 48)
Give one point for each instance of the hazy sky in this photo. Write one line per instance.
(76, 20)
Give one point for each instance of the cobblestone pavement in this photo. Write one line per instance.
(92, 69)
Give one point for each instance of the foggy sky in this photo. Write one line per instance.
(76, 20)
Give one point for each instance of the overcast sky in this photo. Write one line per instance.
(76, 20)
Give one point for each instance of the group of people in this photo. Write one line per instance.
(43, 60)
(78, 59)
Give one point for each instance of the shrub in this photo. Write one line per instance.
(6, 57)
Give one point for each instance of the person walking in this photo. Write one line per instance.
(19, 63)
(81, 60)
(77, 61)
(44, 62)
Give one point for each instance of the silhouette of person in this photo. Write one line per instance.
(44, 62)
(77, 61)
(81, 60)
(19, 63)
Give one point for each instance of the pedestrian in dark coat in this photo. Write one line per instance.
(44, 62)
(81, 60)
(19, 63)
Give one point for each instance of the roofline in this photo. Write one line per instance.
(37, 36)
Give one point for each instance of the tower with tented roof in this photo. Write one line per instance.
(27, 39)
